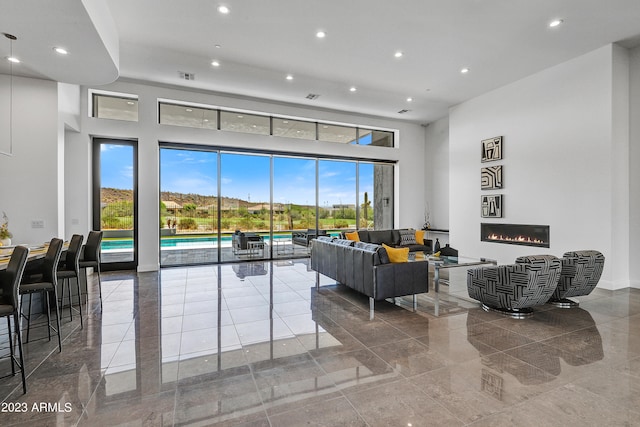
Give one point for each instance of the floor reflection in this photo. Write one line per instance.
(258, 344)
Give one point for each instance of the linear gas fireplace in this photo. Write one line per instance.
(515, 234)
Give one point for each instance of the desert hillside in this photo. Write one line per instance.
(113, 195)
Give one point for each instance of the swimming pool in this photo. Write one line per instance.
(179, 242)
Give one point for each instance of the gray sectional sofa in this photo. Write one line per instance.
(366, 268)
(393, 238)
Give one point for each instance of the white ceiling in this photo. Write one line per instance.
(500, 41)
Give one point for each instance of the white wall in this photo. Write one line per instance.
(619, 262)
(560, 157)
(437, 160)
(410, 173)
(437, 182)
(634, 161)
(29, 180)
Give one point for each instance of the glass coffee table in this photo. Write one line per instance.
(442, 262)
(453, 262)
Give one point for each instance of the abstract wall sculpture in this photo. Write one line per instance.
(491, 178)
(492, 149)
(491, 206)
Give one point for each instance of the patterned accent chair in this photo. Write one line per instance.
(581, 272)
(513, 289)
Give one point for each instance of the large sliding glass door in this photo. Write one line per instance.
(188, 206)
(294, 203)
(222, 206)
(115, 201)
(245, 221)
(337, 193)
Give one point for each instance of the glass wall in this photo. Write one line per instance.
(115, 107)
(245, 219)
(180, 114)
(375, 137)
(337, 193)
(333, 133)
(188, 206)
(245, 123)
(223, 206)
(365, 196)
(294, 129)
(294, 203)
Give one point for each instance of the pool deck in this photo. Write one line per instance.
(208, 254)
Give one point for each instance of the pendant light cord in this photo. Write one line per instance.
(11, 40)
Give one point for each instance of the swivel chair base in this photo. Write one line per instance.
(514, 313)
(564, 303)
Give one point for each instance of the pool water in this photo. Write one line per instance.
(173, 242)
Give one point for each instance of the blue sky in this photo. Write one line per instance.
(243, 176)
(116, 169)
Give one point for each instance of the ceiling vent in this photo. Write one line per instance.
(313, 96)
(186, 76)
(403, 111)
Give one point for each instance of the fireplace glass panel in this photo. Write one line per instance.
(515, 234)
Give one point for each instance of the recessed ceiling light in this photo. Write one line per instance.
(61, 50)
(464, 70)
(239, 116)
(409, 99)
(555, 23)
(353, 89)
(285, 121)
(206, 120)
(321, 34)
(13, 59)
(215, 63)
(289, 77)
(223, 9)
(188, 110)
(398, 54)
(130, 102)
(217, 46)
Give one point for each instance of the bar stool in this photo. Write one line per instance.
(45, 283)
(10, 305)
(70, 269)
(90, 257)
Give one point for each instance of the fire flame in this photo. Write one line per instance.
(518, 239)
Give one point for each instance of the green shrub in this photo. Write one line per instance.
(111, 222)
(188, 224)
(342, 224)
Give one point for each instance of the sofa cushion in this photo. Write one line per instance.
(381, 236)
(418, 248)
(407, 237)
(420, 237)
(343, 242)
(363, 235)
(352, 236)
(383, 255)
(372, 247)
(397, 255)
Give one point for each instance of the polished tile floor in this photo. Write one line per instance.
(256, 345)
